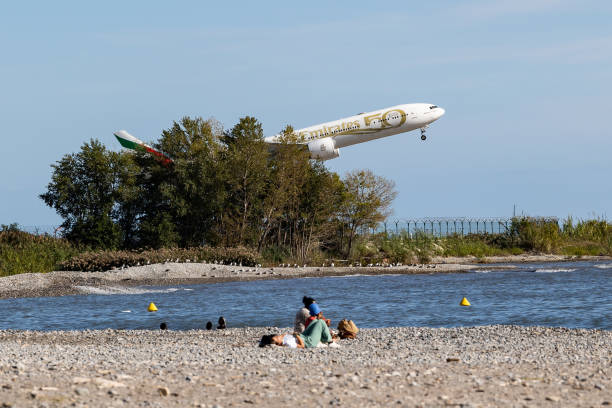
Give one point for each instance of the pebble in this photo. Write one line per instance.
(224, 367)
(104, 383)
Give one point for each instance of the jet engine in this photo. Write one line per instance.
(323, 149)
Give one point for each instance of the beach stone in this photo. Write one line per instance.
(163, 391)
(81, 391)
(227, 367)
(104, 383)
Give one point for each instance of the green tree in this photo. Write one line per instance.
(287, 176)
(301, 203)
(127, 206)
(83, 191)
(245, 172)
(183, 202)
(367, 202)
(321, 196)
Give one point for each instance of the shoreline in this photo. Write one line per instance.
(397, 366)
(62, 283)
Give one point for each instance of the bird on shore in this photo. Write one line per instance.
(222, 323)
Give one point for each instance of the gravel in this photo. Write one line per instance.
(407, 366)
(60, 283)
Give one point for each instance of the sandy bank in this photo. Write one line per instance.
(411, 366)
(69, 283)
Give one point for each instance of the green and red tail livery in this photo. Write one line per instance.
(130, 142)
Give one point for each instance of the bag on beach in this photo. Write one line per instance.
(347, 329)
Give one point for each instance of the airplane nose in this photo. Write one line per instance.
(441, 112)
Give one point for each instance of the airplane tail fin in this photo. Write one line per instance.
(130, 142)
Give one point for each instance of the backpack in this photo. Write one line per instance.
(347, 329)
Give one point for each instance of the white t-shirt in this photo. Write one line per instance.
(289, 341)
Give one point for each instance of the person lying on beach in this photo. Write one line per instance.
(316, 314)
(302, 315)
(316, 332)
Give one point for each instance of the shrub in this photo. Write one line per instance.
(106, 260)
(22, 252)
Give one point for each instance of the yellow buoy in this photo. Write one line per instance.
(152, 307)
(464, 302)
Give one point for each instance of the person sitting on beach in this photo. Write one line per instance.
(317, 332)
(316, 314)
(302, 315)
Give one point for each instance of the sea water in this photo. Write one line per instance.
(568, 294)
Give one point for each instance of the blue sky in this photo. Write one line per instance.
(526, 86)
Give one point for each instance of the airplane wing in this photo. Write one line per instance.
(130, 142)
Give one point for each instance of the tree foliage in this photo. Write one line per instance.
(222, 188)
(367, 201)
(245, 172)
(84, 190)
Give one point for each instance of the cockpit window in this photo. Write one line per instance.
(433, 107)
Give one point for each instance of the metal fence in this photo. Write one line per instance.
(444, 226)
(433, 226)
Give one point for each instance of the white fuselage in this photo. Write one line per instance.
(369, 126)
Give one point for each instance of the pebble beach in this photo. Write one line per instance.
(413, 367)
(480, 366)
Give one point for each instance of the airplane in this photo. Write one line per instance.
(324, 141)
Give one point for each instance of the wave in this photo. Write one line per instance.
(555, 270)
(114, 290)
(604, 266)
(481, 270)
